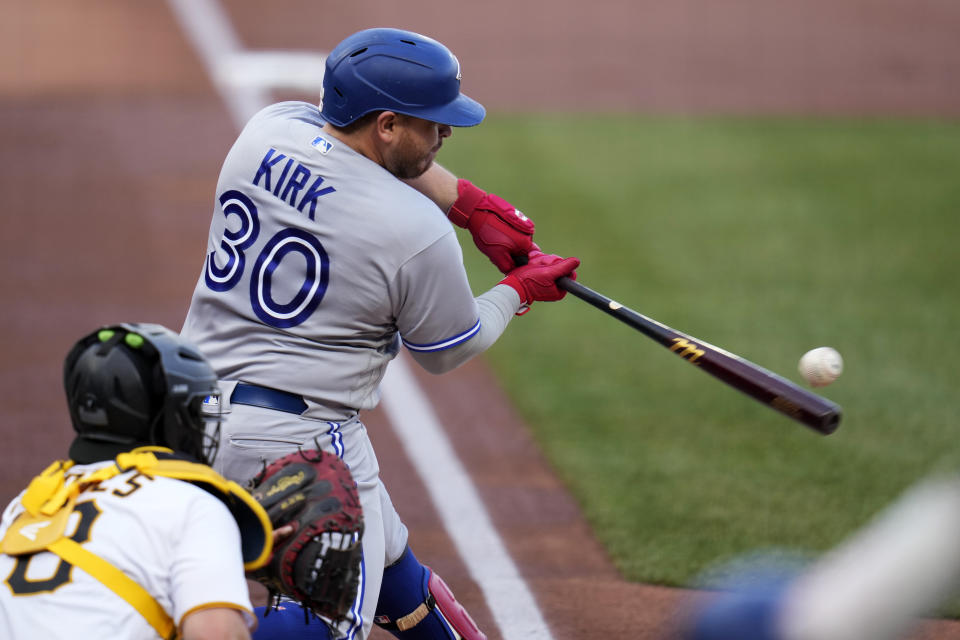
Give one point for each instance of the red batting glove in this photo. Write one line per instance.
(499, 230)
(537, 280)
(535, 252)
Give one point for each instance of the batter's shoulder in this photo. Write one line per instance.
(414, 219)
(409, 207)
(288, 112)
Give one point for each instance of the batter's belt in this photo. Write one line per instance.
(256, 396)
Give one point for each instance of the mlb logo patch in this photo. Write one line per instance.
(322, 144)
(210, 406)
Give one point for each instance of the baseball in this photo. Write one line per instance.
(821, 366)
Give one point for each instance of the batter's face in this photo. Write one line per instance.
(415, 146)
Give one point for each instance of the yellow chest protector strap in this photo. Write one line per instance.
(118, 582)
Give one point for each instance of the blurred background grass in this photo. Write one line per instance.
(767, 238)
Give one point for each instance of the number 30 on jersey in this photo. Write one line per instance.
(234, 244)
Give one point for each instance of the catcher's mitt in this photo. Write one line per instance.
(319, 564)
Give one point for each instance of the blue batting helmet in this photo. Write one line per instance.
(395, 70)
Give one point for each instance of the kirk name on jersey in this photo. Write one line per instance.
(292, 180)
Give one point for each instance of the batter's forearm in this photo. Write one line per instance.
(438, 184)
(496, 307)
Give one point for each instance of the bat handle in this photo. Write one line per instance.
(583, 292)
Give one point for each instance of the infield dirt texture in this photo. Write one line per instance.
(111, 137)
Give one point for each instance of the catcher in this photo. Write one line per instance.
(135, 533)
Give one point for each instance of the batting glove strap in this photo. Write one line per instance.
(498, 228)
(468, 197)
(514, 281)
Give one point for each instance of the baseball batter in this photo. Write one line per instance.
(323, 261)
(175, 544)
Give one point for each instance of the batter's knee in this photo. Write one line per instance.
(416, 604)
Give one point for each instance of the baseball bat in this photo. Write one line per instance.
(776, 392)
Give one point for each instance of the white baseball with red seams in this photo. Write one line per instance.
(821, 366)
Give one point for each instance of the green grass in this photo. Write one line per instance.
(766, 238)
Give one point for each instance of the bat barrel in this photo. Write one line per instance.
(778, 393)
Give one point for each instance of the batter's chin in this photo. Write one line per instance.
(427, 165)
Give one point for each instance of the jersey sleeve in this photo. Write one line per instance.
(207, 567)
(497, 308)
(435, 307)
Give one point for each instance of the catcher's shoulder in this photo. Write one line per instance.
(254, 524)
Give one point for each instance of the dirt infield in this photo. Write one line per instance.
(112, 136)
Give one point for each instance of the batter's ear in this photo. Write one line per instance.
(386, 125)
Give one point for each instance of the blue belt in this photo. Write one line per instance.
(257, 396)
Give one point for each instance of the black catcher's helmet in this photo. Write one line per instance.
(131, 385)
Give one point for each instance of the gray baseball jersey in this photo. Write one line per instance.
(318, 262)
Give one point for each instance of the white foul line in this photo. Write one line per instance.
(209, 30)
(302, 70)
(243, 78)
(461, 509)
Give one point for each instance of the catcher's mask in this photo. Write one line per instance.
(130, 385)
